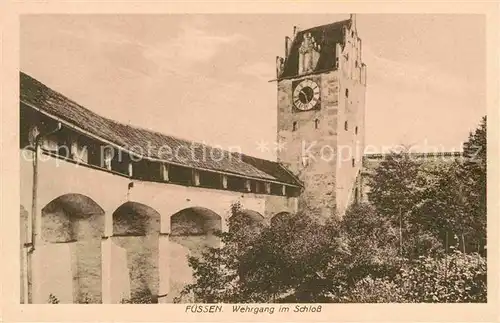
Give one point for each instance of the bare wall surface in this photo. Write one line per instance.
(73, 216)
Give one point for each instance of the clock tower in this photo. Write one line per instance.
(321, 110)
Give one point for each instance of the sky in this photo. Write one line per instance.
(206, 77)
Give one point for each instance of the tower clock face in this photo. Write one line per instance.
(306, 95)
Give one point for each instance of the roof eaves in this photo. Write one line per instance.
(75, 127)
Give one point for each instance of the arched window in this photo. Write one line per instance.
(294, 126)
(316, 124)
(346, 126)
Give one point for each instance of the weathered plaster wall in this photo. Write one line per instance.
(351, 141)
(142, 262)
(310, 152)
(90, 262)
(329, 185)
(53, 273)
(118, 281)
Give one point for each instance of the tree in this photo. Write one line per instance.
(454, 204)
(390, 251)
(474, 173)
(292, 260)
(372, 242)
(453, 278)
(396, 187)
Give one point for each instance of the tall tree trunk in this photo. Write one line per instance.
(463, 242)
(400, 233)
(446, 264)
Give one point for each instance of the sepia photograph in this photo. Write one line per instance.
(253, 159)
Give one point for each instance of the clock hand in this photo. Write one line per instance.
(305, 94)
(307, 98)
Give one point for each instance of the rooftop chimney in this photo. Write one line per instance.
(353, 19)
(295, 31)
(288, 45)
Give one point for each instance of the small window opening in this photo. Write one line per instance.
(276, 189)
(346, 93)
(292, 191)
(180, 175)
(356, 130)
(294, 126)
(353, 162)
(258, 187)
(356, 64)
(352, 33)
(121, 163)
(316, 124)
(346, 126)
(209, 179)
(236, 184)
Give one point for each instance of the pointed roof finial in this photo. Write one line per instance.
(353, 19)
(296, 30)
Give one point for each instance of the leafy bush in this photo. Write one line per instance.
(292, 258)
(374, 290)
(53, 299)
(394, 250)
(143, 296)
(455, 278)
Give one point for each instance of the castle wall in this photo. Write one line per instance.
(90, 261)
(330, 185)
(310, 152)
(351, 141)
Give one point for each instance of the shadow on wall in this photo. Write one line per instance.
(192, 231)
(136, 229)
(72, 227)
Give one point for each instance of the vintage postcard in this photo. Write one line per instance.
(274, 163)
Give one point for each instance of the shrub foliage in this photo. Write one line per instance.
(422, 238)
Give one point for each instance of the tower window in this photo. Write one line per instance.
(294, 126)
(353, 162)
(346, 93)
(346, 126)
(356, 130)
(356, 64)
(316, 124)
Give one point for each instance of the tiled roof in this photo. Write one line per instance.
(138, 140)
(426, 159)
(327, 36)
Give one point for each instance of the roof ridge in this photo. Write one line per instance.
(331, 24)
(56, 104)
(134, 126)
